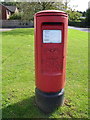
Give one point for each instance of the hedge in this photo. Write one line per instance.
(78, 24)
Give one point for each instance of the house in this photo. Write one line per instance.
(7, 11)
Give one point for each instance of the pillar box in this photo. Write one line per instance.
(50, 58)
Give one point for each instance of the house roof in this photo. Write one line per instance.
(11, 8)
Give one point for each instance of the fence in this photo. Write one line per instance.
(15, 24)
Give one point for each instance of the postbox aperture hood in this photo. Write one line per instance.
(51, 12)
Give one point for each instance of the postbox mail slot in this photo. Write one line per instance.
(52, 23)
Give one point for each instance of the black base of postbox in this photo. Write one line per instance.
(48, 102)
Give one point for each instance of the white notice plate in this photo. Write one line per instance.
(52, 36)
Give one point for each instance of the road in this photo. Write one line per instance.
(81, 29)
(6, 29)
(71, 27)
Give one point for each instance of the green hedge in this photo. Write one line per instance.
(78, 24)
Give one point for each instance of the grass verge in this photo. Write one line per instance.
(18, 79)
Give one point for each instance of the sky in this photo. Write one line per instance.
(81, 5)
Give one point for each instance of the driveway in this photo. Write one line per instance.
(81, 29)
(6, 29)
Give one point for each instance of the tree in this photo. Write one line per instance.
(66, 4)
(74, 16)
(84, 14)
(29, 9)
(9, 3)
(88, 17)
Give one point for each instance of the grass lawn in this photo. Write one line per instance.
(18, 79)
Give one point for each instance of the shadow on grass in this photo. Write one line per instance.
(19, 31)
(24, 109)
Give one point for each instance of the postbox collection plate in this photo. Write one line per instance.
(52, 36)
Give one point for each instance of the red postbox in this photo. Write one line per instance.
(50, 58)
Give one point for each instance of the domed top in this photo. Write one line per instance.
(51, 12)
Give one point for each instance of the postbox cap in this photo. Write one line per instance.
(51, 12)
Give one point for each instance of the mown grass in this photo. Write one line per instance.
(18, 77)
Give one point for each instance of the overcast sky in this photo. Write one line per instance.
(82, 5)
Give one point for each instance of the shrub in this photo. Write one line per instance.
(77, 24)
(15, 16)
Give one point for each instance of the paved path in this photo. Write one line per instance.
(6, 29)
(81, 29)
